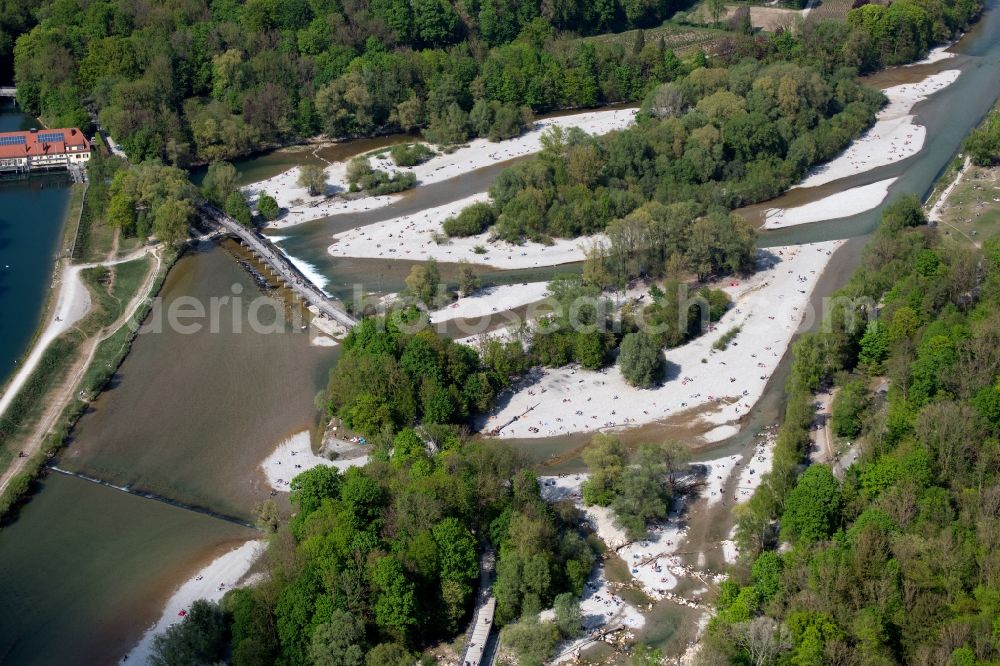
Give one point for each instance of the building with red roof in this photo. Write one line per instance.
(43, 149)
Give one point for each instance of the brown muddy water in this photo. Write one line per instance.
(85, 569)
(191, 416)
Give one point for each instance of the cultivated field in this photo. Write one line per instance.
(830, 10)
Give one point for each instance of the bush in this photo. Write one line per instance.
(378, 183)
(268, 207)
(408, 155)
(723, 342)
(848, 407)
(640, 359)
(471, 221)
(357, 168)
(236, 207)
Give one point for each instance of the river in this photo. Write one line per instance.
(73, 564)
(32, 212)
(189, 417)
(85, 568)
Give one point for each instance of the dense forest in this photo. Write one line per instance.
(708, 139)
(382, 561)
(897, 561)
(192, 81)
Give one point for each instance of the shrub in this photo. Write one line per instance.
(268, 207)
(408, 155)
(723, 342)
(640, 359)
(471, 221)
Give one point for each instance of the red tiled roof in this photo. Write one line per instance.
(34, 146)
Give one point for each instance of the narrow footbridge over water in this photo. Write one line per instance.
(8, 91)
(282, 266)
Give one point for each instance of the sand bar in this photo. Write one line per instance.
(295, 456)
(492, 300)
(893, 138)
(211, 583)
(842, 204)
(301, 207)
(412, 237)
(768, 307)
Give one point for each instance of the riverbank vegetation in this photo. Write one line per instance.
(638, 487)
(715, 139)
(388, 379)
(893, 559)
(362, 177)
(983, 143)
(221, 80)
(153, 199)
(381, 561)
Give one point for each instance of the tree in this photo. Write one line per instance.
(848, 407)
(310, 488)
(268, 207)
(642, 492)
(640, 359)
(904, 212)
(170, 222)
(313, 178)
(237, 208)
(812, 510)
(435, 22)
(200, 638)
(589, 349)
(395, 605)
(338, 642)
(450, 127)
(423, 283)
(468, 279)
(569, 619)
(220, 181)
(715, 9)
(763, 639)
(667, 101)
(121, 212)
(605, 458)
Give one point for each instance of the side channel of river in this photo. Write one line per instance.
(32, 213)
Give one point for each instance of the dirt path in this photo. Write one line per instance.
(59, 398)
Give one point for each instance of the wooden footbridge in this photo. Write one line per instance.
(281, 265)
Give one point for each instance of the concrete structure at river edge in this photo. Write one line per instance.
(39, 150)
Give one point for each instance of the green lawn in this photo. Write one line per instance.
(973, 209)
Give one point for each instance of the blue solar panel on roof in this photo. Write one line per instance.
(14, 140)
(48, 137)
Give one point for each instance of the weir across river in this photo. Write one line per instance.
(282, 266)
